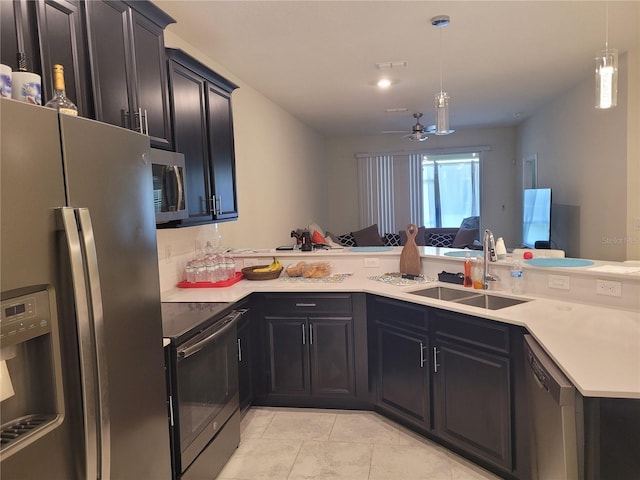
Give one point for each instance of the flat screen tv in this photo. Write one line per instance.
(536, 217)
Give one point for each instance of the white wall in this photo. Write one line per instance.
(498, 203)
(585, 156)
(281, 179)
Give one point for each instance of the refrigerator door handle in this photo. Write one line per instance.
(91, 257)
(85, 340)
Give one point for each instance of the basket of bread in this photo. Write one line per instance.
(309, 270)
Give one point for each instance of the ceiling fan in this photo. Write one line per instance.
(418, 132)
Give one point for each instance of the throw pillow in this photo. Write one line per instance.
(334, 238)
(470, 223)
(347, 240)
(368, 237)
(440, 240)
(392, 239)
(465, 237)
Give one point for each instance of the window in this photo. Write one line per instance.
(450, 188)
(434, 189)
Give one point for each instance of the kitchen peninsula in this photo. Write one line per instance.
(594, 339)
(571, 324)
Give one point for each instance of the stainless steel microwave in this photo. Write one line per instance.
(169, 195)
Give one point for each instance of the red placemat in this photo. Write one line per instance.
(223, 283)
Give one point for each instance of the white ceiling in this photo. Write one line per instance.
(317, 59)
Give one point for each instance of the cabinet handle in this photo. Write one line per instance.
(239, 351)
(435, 359)
(421, 355)
(305, 304)
(304, 339)
(212, 202)
(125, 119)
(146, 123)
(311, 334)
(219, 211)
(138, 117)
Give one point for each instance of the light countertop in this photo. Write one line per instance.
(596, 346)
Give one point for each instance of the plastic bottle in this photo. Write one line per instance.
(468, 282)
(517, 278)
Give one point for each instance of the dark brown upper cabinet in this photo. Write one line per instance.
(200, 102)
(62, 41)
(49, 32)
(128, 67)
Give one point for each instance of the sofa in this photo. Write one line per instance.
(467, 235)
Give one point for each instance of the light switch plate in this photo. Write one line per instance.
(371, 262)
(561, 282)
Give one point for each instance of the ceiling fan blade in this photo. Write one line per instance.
(394, 131)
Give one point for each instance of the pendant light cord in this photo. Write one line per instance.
(440, 28)
(606, 31)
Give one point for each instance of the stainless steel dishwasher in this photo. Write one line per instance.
(556, 413)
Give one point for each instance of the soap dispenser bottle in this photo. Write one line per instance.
(467, 282)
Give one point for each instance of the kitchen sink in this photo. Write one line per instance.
(469, 297)
(491, 302)
(444, 293)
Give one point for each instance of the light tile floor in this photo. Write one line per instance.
(311, 444)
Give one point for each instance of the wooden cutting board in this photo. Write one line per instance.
(410, 257)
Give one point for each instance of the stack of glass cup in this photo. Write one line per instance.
(210, 265)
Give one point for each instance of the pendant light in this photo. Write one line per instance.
(442, 97)
(607, 73)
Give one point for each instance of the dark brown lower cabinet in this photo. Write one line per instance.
(403, 374)
(310, 356)
(472, 401)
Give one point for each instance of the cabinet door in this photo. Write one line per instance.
(223, 171)
(110, 58)
(188, 106)
(331, 351)
(62, 41)
(18, 33)
(288, 355)
(403, 374)
(151, 80)
(473, 402)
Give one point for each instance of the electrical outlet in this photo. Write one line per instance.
(607, 287)
(371, 262)
(561, 282)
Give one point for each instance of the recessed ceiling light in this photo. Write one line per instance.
(384, 83)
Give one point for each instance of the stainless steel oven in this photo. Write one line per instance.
(169, 194)
(203, 394)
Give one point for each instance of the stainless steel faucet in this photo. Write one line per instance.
(489, 249)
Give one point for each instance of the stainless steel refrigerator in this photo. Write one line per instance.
(81, 356)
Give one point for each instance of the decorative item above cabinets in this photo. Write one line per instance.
(202, 124)
(128, 67)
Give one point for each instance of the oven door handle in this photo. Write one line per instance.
(230, 319)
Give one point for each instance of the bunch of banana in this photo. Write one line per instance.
(275, 266)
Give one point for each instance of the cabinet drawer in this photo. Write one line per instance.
(308, 303)
(402, 314)
(473, 331)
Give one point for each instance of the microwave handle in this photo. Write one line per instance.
(232, 319)
(179, 190)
